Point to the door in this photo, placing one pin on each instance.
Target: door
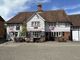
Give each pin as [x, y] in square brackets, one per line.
[75, 35]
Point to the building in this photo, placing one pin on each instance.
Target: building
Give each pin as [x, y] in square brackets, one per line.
[46, 25]
[2, 28]
[75, 20]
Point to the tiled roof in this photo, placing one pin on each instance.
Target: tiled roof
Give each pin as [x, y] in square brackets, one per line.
[55, 16]
[75, 19]
[49, 16]
[20, 18]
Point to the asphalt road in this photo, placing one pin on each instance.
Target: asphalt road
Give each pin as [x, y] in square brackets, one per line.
[40, 51]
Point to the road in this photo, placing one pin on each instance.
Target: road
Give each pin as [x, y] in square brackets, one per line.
[40, 51]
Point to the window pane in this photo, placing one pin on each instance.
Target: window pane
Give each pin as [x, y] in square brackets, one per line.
[35, 24]
[32, 24]
[38, 23]
[17, 27]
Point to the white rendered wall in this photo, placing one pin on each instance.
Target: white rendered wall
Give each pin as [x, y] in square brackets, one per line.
[56, 28]
[12, 28]
[76, 35]
[36, 18]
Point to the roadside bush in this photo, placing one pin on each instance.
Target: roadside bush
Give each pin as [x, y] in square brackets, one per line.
[62, 39]
[19, 39]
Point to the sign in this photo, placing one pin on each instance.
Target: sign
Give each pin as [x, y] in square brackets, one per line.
[51, 27]
[11, 28]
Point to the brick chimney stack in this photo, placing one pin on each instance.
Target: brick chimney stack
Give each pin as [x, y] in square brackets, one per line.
[40, 8]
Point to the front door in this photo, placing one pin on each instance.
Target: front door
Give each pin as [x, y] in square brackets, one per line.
[49, 36]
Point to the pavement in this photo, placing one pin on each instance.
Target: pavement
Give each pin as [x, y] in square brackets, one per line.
[40, 51]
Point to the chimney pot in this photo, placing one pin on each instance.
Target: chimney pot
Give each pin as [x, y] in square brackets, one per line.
[40, 8]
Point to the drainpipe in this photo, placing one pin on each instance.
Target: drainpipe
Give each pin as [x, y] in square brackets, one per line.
[71, 34]
[78, 33]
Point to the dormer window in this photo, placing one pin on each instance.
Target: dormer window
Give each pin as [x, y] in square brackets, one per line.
[35, 24]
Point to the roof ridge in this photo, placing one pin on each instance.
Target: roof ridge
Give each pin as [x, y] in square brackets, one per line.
[74, 15]
[43, 11]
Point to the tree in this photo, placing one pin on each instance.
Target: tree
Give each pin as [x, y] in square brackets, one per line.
[24, 30]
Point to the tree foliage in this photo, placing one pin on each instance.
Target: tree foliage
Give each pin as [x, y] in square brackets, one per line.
[24, 30]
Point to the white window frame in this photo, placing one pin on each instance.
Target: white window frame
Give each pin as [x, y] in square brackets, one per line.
[58, 34]
[17, 26]
[36, 34]
[35, 23]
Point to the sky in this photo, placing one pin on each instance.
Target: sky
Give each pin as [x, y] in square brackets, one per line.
[9, 8]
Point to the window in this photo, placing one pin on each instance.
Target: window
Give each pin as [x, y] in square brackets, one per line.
[16, 34]
[60, 24]
[52, 34]
[35, 24]
[17, 27]
[36, 34]
[67, 25]
[58, 34]
[55, 34]
[51, 24]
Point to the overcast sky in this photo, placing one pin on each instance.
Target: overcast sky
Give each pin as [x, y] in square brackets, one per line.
[9, 8]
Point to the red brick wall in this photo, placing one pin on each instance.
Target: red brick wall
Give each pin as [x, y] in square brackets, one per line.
[66, 35]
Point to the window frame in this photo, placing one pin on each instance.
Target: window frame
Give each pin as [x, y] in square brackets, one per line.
[58, 34]
[35, 23]
[17, 27]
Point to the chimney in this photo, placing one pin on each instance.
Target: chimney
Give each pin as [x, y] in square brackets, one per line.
[40, 8]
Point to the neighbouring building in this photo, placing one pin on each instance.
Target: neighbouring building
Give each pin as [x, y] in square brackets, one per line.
[75, 20]
[47, 25]
[2, 28]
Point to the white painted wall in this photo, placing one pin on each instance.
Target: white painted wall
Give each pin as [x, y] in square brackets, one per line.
[12, 28]
[36, 18]
[58, 28]
[76, 35]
